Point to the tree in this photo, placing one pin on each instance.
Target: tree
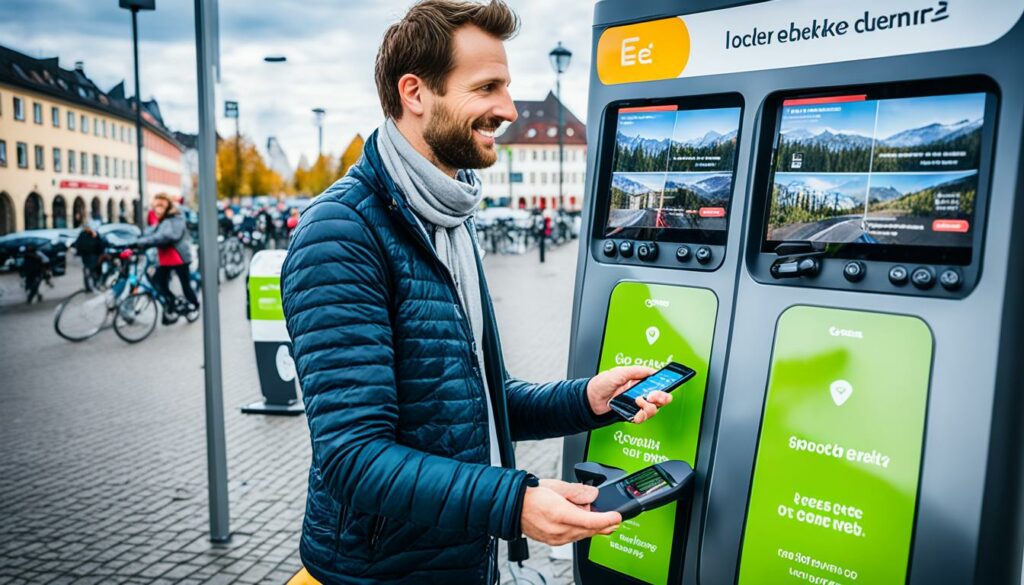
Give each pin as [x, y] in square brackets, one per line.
[317, 178]
[351, 155]
[246, 175]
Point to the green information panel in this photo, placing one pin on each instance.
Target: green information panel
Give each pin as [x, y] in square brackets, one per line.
[651, 324]
[265, 298]
[835, 481]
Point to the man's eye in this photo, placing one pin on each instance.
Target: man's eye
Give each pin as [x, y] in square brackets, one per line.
[488, 87]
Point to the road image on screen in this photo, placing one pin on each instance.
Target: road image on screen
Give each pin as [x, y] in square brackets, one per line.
[895, 171]
[672, 168]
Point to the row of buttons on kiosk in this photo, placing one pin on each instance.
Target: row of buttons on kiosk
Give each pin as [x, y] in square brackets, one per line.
[922, 277]
[648, 251]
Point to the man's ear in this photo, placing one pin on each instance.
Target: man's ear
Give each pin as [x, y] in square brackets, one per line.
[410, 90]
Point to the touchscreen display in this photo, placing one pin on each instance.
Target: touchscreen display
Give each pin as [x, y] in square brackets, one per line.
[897, 172]
[672, 171]
[645, 481]
[660, 380]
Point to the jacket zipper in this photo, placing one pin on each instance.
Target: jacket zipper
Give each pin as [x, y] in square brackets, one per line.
[375, 531]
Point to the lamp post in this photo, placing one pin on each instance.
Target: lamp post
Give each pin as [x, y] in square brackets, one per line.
[273, 104]
[319, 114]
[135, 6]
[560, 57]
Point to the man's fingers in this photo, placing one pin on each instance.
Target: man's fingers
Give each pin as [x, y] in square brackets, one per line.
[593, 521]
[577, 493]
[646, 408]
[659, 398]
[634, 372]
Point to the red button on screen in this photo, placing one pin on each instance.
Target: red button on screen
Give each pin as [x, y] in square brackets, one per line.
[712, 212]
[951, 225]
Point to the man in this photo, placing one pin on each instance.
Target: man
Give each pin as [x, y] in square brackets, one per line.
[410, 410]
[89, 246]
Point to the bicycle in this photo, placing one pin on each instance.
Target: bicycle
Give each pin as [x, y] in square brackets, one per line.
[86, 312]
[136, 315]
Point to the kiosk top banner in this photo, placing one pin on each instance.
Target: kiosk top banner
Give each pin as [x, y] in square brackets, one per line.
[791, 33]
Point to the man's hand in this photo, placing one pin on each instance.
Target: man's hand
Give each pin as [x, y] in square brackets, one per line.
[609, 384]
[557, 513]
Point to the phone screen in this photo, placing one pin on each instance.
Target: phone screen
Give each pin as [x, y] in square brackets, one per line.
[645, 481]
[661, 380]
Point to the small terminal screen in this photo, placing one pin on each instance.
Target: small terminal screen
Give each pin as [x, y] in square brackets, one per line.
[899, 172]
[646, 482]
[671, 171]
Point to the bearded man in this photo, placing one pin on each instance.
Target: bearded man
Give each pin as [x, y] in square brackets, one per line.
[411, 412]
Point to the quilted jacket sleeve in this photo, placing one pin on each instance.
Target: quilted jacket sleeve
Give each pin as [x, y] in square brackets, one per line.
[336, 302]
[556, 409]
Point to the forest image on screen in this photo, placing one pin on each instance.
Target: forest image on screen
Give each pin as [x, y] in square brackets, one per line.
[895, 171]
[672, 168]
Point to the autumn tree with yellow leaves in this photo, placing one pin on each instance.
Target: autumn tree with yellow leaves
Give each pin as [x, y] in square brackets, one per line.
[241, 171]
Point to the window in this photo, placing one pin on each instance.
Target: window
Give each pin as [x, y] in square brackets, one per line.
[22, 155]
[71, 120]
[85, 164]
[533, 178]
[543, 178]
[95, 127]
[37, 112]
[95, 165]
[72, 160]
[106, 166]
[40, 161]
[3, 153]
[56, 160]
[55, 116]
[534, 153]
[19, 109]
[115, 167]
[85, 124]
[104, 128]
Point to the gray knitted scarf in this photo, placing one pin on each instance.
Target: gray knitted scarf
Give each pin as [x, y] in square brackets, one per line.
[446, 205]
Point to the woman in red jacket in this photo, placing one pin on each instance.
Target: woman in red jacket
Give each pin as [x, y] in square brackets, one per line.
[174, 254]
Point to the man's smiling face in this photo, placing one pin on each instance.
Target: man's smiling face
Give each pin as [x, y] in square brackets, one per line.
[460, 124]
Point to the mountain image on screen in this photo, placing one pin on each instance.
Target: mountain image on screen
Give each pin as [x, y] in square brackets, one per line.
[635, 199]
[690, 191]
[636, 154]
[954, 146]
[917, 195]
[808, 206]
[837, 152]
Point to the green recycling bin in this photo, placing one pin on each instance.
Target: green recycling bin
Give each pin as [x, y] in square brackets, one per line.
[270, 339]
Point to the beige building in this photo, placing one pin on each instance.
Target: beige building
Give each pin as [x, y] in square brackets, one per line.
[526, 173]
[67, 149]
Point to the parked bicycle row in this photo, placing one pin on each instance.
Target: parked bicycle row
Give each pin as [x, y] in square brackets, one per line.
[502, 230]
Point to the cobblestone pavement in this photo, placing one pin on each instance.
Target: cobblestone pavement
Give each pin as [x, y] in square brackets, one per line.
[103, 457]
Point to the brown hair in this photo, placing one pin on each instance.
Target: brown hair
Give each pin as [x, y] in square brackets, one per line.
[172, 207]
[421, 44]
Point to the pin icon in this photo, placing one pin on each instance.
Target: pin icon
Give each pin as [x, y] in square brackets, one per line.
[652, 335]
[841, 391]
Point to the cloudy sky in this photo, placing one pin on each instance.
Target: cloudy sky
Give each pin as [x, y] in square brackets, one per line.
[330, 46]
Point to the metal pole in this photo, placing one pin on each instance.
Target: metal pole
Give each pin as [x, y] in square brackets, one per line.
[511, 197]
[216, 450]
[238, 157]
[320, 140]
[138, 122]
[561, 141]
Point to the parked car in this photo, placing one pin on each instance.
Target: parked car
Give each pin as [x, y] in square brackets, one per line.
[52, 242]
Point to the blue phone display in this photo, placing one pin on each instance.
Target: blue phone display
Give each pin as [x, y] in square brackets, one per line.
[659, 380]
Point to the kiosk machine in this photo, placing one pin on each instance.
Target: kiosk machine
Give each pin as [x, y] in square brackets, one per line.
[818, 206]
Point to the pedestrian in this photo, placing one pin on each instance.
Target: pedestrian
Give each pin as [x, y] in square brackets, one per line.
[411, 412]
[292, 222]
[174, 253]
[89, 246]
[34, 269]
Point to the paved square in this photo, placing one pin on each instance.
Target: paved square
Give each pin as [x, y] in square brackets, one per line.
[103, 465]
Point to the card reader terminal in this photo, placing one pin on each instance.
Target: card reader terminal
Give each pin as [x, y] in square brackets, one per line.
[644, 490]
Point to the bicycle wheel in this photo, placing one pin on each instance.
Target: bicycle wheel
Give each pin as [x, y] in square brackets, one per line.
[82, 315]
[233, 258]
[135, 317]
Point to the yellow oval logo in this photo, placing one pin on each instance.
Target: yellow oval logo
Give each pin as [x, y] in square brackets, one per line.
[647, 51]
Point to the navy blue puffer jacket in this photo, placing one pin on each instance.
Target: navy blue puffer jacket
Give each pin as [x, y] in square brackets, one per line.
[400, 489]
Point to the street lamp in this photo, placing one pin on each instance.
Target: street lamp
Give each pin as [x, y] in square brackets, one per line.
[135, 6]
[560, 57]
[319, 120]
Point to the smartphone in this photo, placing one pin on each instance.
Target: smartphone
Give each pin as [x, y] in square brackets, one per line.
[667, 379]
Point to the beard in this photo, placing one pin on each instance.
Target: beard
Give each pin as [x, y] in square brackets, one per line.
[453, 142]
